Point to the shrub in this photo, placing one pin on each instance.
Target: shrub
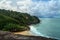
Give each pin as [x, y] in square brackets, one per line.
[13, 27]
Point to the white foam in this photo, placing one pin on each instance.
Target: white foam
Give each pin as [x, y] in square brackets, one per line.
[34, 31]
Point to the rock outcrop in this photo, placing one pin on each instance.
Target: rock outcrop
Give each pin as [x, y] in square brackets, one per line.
[4, 35]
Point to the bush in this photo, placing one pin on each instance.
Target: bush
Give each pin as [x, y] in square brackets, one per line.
[13, 27]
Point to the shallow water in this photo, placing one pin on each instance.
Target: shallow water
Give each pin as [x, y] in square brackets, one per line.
[49, 27]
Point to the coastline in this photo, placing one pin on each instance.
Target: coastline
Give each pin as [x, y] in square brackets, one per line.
[31, 33]
[36, 33]
[27, 33]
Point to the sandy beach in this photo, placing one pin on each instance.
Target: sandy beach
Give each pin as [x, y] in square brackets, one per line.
[24, 33]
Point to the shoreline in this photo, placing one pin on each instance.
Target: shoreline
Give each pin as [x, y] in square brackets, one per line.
[30, 33]
[27, 33]
[36, 33]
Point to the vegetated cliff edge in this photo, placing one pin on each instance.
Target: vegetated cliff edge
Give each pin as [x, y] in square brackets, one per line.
[16, 21]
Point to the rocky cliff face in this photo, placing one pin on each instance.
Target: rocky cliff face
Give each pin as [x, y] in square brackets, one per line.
[4, 35]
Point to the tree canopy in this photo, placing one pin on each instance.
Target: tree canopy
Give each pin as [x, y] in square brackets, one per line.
[16, 20]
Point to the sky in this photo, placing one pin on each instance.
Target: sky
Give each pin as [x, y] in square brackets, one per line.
[40, 8]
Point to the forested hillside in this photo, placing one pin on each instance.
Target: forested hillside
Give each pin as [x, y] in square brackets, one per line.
[16, 21]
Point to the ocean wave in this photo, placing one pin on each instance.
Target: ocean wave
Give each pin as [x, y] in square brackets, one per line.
[34, 31]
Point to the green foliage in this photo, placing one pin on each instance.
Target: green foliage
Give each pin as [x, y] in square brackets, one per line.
[16, 21]
[13, 27]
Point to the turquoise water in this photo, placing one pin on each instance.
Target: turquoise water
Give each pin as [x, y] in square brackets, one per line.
[49, 27]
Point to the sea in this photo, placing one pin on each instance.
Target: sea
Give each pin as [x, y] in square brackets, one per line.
[48, 27]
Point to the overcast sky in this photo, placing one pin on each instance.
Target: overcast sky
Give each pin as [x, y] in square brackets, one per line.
[41, 8]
